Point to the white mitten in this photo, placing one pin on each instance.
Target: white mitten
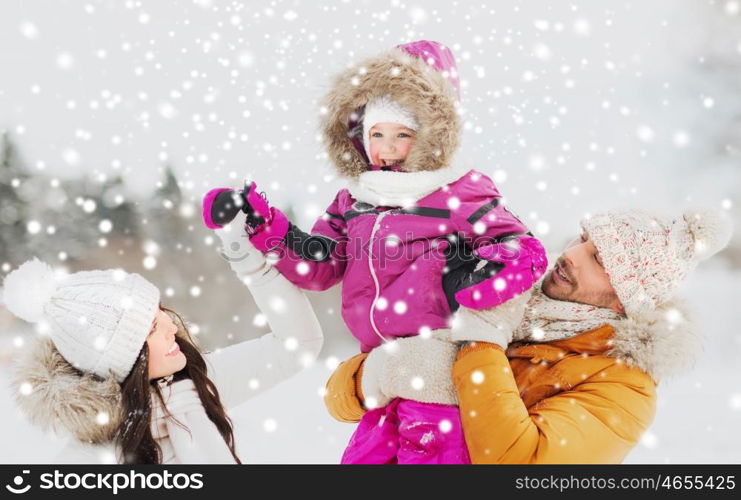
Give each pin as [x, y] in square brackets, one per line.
[373, 368]
[416, 368]
[495, 325]
[238, 251]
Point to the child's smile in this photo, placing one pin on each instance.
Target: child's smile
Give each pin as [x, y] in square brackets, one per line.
[390, 143]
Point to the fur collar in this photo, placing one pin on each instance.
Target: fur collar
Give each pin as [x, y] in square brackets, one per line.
[399, 189]
[412, 83]
[62, 398]
[664, 342]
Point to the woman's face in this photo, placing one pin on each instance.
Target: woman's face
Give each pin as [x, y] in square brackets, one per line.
[390, 143]
[165, 357]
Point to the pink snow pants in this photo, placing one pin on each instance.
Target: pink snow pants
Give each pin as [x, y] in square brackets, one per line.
[408, 432]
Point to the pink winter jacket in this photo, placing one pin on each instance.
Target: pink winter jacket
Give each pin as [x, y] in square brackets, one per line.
[406, 267]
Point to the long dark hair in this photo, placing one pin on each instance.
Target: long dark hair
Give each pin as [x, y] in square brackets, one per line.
[134, 435]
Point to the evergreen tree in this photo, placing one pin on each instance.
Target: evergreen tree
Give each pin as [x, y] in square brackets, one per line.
[13, 207]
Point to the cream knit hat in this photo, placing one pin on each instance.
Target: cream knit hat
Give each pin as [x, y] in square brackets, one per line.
[384, 109]
[98, 320]
[648, 256]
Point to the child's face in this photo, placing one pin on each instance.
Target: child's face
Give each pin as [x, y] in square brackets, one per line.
[390, 143]
[165, 357]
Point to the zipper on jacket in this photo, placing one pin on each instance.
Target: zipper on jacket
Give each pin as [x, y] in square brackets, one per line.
[376, 225]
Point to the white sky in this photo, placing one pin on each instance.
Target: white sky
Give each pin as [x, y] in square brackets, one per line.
[578, 106]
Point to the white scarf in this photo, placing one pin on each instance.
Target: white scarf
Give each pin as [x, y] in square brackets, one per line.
[201, 442]
[399, 189]
[548, 320]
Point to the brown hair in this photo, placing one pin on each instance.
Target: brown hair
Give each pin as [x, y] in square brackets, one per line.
[134, 435]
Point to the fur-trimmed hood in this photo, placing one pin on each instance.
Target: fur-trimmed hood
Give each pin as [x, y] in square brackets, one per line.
[664, 343]
[56, 396]
[414, 81]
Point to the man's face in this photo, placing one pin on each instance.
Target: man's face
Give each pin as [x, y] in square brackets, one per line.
[579, 276]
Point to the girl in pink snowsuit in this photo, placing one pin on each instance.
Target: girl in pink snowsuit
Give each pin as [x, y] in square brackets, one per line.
[411, 238]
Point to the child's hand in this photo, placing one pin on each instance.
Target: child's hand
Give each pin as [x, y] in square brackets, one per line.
[517, 276]
[495, 325]
[222, 205]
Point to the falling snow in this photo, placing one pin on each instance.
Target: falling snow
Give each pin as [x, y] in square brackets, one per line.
[125, 120]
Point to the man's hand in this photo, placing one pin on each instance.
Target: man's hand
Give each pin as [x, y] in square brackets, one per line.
[416, 368]
[495, 325]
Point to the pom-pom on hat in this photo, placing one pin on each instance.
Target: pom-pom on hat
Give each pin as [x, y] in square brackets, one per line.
[98, 320]
[647, 256]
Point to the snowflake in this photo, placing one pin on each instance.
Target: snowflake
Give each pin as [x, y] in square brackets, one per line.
[291, 344]
[735, 401]
[400, 307]
[645, 133]
[260, 320]
[33, 227]
[542, 228]
[681, 138]
[582, 27]
[25, 388]
[332, 363]
[270, 425]
[29, 30]
[477, 377]
[278, 304]
[65, 61]
[650, 440]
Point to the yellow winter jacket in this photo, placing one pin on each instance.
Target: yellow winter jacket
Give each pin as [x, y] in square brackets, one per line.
[558, 402]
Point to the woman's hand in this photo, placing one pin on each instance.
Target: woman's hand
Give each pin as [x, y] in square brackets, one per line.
[237, 249]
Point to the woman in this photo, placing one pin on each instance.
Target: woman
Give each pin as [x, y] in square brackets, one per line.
[121, 374]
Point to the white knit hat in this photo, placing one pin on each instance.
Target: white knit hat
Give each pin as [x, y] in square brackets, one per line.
[648, 256]
[384, 109]
[99, 320]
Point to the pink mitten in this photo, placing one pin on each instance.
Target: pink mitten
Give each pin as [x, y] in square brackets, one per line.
[524, 263]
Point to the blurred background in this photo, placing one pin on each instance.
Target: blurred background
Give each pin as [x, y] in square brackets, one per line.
[117, 116]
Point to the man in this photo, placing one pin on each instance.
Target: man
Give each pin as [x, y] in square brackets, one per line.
[592, 341]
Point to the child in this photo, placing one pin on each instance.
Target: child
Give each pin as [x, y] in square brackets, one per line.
[412, 238]
[121, 374]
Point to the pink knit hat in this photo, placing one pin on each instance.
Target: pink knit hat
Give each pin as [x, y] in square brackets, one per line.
[437, 56]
